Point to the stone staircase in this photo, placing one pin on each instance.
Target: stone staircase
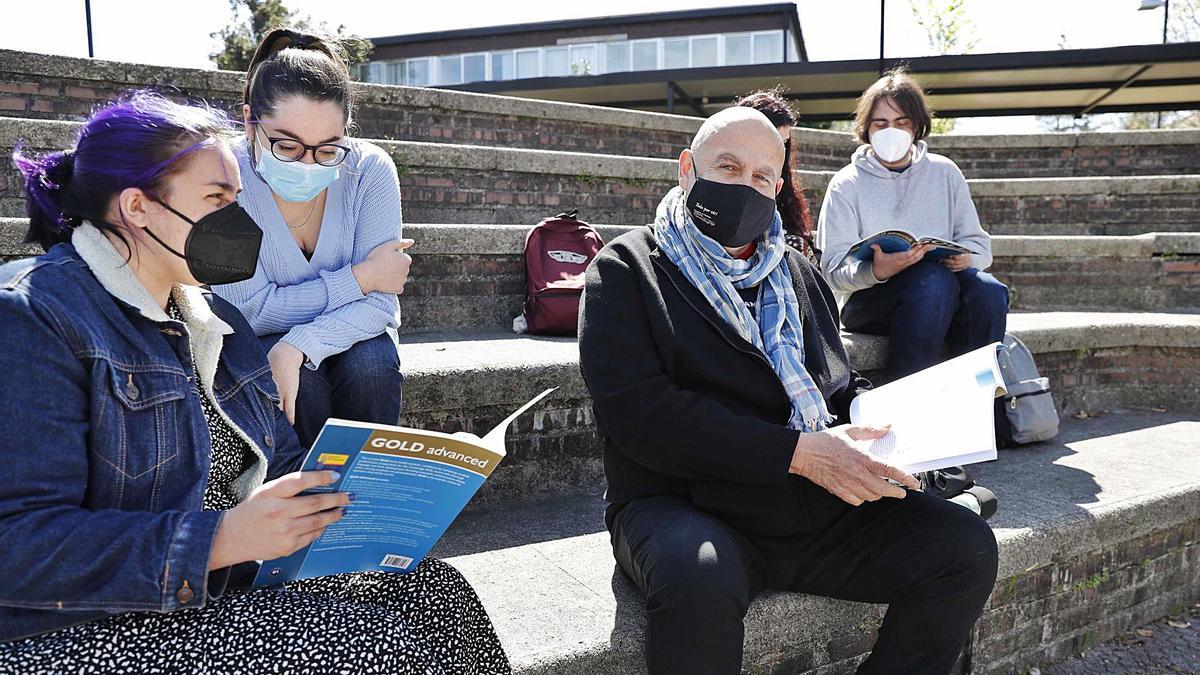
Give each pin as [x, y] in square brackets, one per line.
[1096, 235]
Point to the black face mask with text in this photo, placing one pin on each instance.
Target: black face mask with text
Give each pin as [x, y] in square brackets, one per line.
[732, 215]
[222, 247]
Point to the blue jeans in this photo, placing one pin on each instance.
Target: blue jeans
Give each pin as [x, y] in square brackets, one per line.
[926, 311]
[363, 384]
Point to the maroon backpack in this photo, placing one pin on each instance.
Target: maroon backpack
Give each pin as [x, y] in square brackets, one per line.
[557, 251]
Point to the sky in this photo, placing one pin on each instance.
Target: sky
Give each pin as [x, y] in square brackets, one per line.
[177, 33]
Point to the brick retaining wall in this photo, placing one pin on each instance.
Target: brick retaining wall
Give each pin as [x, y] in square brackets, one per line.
[38, 86]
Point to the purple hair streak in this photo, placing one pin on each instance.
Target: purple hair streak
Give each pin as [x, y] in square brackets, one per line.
[137, 142]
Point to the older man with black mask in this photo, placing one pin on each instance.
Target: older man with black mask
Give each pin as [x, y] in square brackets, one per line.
[718, 380]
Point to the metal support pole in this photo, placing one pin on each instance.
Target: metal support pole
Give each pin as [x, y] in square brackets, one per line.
[882, 13]
[1166, 18]
[670, 99]
[87, 10]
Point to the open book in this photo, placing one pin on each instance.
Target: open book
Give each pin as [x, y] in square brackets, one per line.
[940, 417]
[408, 486]
[894, 241]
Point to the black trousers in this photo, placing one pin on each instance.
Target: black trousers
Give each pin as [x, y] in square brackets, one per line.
[933, 562]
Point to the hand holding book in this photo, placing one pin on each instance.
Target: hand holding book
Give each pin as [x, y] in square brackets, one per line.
[887, 265]
[895, 241]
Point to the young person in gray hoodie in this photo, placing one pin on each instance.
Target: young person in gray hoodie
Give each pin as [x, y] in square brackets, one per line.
[926, 306]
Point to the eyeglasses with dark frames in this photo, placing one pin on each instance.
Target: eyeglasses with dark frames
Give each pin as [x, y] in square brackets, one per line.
[291, 150]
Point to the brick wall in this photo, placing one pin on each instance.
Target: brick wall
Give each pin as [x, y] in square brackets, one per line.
[1039, 162]
[561, 448]
[44, 87]
[1078, 214]
[1145, 284]
[49, 87]
[1048, 613]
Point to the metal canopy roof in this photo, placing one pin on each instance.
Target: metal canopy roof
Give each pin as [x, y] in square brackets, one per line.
[1075, 81]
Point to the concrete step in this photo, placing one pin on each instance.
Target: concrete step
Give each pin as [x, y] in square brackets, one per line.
[54, 87]
[469, 382]
[1097, 534]
[472, 277]
[472, 184]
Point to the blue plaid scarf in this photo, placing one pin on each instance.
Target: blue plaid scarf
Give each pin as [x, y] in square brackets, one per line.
[777, 333]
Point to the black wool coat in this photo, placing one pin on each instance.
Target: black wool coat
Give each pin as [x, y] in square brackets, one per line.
[687, 407]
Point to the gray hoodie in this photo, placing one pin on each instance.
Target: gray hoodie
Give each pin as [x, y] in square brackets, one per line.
[928, 199]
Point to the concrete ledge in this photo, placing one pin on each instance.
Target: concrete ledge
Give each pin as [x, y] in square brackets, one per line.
[484, 239]
[495, 361]
[456, 382]
[950, 142]
[471, 277]
[134, 75]
[1086, 550]
[1110, 185]
[55, 134]
[1096, 246]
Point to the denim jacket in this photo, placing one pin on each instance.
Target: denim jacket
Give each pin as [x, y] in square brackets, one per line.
[104, 447]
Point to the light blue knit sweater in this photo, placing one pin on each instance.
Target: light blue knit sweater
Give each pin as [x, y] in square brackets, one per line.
[318, 303]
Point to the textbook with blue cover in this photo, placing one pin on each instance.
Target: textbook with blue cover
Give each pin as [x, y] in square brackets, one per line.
[408, 486]
[894, 241]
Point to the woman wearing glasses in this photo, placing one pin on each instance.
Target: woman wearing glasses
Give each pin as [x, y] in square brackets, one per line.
[323, 298]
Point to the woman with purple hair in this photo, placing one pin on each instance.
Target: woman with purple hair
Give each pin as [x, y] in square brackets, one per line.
[147, 463]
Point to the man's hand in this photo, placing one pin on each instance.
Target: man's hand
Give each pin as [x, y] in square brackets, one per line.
[957, 263]
[836, 460]
[385, 269]
[274, 521]
[286, 360]
[888, 265]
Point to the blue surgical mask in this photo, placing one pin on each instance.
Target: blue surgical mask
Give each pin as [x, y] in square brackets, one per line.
[293, 181]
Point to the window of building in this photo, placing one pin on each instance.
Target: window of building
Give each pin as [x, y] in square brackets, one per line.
[768, 47]
[394, 73]
[450, 69]
[675, 53]
[528, 63]
[556, 62]
[737, 50]
[704, 51]
[645, 55]
[417, 72]
[474, 67]
[616, 57]
[503, 66]
[583, 60]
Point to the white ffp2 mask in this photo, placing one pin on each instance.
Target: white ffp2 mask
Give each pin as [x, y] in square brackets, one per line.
[891, 144]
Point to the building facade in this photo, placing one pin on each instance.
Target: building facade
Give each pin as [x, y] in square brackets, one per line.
[681, 40]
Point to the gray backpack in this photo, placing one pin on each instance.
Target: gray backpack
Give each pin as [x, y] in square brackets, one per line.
[1026, 413]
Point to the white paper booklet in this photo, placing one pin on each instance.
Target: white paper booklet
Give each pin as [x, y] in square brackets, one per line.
[940, 417]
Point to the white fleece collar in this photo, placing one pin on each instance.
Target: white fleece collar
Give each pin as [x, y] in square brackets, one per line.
[206, 329]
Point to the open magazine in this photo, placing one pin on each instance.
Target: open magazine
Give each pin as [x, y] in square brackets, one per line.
[408, 486]
[894, 241]
[940, 417]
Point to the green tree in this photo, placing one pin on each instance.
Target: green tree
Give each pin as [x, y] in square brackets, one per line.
[946, 25]
[949, 31]
[241, 36]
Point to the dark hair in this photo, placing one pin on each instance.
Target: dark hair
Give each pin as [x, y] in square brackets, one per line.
[137, 142]
[898, 85]
[289, 63]
[793, 207]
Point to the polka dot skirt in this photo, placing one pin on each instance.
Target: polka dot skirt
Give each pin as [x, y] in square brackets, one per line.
[428, 621]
